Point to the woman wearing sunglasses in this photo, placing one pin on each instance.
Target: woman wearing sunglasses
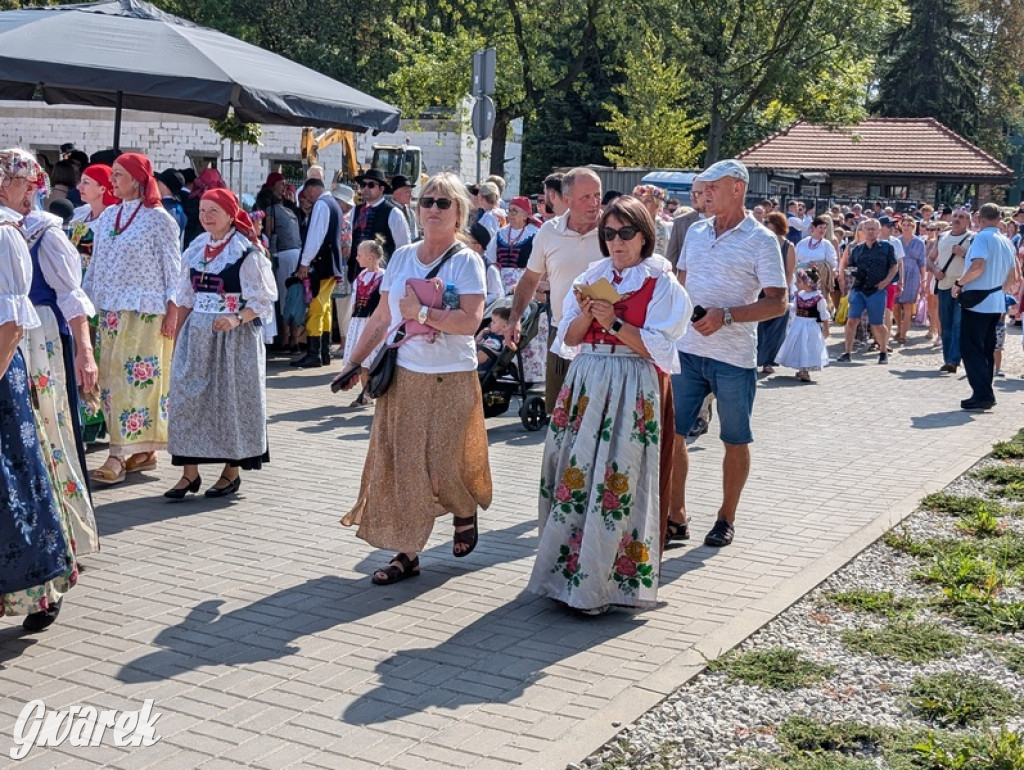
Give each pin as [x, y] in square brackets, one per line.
[428, 444]
[604, 477]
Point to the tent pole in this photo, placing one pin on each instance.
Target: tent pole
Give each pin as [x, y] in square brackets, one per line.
[117, 121]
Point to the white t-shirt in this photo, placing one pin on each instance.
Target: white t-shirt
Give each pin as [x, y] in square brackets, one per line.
[729, 271]
[449, 352]
[810, 250]
[563, 254]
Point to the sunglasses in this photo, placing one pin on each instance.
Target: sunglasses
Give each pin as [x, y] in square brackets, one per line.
[442, 203]
[371, 185]
[626, 233]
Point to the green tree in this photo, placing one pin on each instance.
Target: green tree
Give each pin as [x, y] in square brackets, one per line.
[943, 79]
[749, 57]
[652, 124]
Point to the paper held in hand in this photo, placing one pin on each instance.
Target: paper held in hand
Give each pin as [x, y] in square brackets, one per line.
[600, 289]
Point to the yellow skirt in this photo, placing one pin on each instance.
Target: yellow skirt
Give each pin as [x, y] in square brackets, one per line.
[135, 379]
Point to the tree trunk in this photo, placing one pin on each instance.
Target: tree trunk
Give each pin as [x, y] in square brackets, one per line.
[716, 128]
[498, 137]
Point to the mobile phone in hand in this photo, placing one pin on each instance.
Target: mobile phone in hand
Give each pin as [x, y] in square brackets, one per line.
[698, 313]
[342, 380]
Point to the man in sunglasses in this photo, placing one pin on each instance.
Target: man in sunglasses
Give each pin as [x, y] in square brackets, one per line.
[376, 216]
[563, 248]
[726, 262]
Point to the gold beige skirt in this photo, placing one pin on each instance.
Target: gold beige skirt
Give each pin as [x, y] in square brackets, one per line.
[427, 457]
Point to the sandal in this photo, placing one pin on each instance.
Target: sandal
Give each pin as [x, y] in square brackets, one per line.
[677, 530]
[106, 474]
[400, 568]
[466, 537]
[148, 463]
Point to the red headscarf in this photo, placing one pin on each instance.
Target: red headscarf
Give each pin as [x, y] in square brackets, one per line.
[208, 179]
[100, 174]
[141, 171]
[273, 178]
[226, 200]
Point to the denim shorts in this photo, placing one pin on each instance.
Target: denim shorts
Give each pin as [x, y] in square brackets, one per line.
[734, 388]
[875, 305]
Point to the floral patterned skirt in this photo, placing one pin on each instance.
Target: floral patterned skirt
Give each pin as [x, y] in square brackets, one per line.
[134, 381]
[600, 520]
[36, 563]
[45, 361]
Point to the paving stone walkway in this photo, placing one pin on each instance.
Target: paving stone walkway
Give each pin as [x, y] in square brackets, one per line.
[253, 625]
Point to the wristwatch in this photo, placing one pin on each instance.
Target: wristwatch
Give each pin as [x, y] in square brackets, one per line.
[958, 284]
[424, 312]
[727, 316]
[616, 327]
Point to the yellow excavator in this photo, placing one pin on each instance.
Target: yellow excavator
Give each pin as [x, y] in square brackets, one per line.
[311, 144]
[403, 159]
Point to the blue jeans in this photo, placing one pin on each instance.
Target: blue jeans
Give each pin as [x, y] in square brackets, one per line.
[734, 388]
[949, 326]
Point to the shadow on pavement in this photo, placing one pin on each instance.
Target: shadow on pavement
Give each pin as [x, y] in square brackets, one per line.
[123, 515]
[493, 660]
[263, 630]
[14, 641]
[916, 374]
[949, 419]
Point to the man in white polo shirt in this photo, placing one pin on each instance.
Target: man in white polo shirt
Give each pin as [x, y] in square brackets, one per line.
[727, 260]
[562, 250]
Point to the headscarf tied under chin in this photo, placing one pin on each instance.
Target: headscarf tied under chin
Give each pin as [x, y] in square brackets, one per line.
[141, 170]
[21, 164]
[227, 201]
[100, 174]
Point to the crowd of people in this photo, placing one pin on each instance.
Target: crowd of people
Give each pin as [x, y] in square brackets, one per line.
[151, 305]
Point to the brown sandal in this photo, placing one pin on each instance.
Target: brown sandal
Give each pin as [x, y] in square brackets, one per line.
[400, 568]
[466, 537]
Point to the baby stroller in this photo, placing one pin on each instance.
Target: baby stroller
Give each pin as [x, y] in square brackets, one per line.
[504, 378]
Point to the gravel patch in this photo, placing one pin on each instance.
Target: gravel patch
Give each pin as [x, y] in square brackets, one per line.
[716, 722]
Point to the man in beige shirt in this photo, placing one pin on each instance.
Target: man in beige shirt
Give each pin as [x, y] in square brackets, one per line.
[562, 250]
[946, 264]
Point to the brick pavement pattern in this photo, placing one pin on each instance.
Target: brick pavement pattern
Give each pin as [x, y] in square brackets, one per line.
[253, 624]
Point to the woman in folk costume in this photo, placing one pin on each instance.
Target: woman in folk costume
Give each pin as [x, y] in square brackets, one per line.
[96, 191]
[132, 280]
[58, 353]
[37, 565]
[219, 370]
[607, 457]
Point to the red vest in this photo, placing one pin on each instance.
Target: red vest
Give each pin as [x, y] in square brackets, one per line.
[632, 310]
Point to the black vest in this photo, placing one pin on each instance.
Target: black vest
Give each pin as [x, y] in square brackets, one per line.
[377, 224]
[328, 261]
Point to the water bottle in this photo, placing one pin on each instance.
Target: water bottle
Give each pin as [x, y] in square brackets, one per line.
[450, 299]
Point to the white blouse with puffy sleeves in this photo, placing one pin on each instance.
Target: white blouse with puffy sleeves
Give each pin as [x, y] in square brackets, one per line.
[15, 273]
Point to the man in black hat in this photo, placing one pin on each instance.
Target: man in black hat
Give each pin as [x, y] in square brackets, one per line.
[376, 215]
[170, 181]
[66, 150]
[401, 196]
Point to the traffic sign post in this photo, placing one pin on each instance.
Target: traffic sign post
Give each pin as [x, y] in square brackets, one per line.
[484, 62]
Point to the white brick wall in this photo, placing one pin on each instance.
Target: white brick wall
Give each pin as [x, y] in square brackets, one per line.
[168, 140]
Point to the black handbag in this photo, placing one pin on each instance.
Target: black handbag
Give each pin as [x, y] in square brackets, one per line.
[382, 370]
[969, 298]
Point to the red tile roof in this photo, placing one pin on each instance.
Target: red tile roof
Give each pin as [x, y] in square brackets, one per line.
[911, 146]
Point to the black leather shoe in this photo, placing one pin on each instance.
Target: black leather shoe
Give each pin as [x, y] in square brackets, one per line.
[973, 404]
[178, 493]
[720, 534]
[230, 489]
[38, 621]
